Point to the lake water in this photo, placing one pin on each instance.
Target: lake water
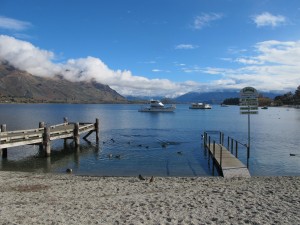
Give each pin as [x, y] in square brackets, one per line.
[158, 144]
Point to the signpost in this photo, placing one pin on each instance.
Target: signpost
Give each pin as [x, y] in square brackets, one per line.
[248, 106]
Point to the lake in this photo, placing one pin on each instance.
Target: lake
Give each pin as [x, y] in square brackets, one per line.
[158, 144]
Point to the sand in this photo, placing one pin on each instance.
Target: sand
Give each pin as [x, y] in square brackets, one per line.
[29, 198]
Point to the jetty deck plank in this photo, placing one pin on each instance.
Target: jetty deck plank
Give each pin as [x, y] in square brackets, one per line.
[229, 165]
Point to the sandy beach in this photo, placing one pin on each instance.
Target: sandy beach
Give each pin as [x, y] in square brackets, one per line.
[30, 198]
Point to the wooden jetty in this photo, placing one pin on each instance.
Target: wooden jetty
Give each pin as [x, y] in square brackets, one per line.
[227, 163]
[43, 135]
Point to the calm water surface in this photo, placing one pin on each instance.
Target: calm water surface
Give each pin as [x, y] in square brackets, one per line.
[159, 144]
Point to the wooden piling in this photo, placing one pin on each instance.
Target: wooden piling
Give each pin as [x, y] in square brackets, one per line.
[41, 125]
[65, 123]
[46, 141]
[76, 135]
[3, 150]
[97, 129]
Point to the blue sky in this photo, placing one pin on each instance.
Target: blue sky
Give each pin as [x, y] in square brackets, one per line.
[157, 47]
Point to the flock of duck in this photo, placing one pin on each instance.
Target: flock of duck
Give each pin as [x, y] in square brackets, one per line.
[163, 144]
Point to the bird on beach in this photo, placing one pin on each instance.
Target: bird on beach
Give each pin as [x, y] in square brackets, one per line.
[140, 177]
[151, 179]
[69, 170]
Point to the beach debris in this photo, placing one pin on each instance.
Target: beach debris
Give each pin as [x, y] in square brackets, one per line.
[69, 170]
[151, 179]
[141, 177]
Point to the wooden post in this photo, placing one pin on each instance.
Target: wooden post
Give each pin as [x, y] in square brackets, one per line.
[228, 141]
[4, 150]
[236, 149]
[41, 125]
[76, 135]
[46, 141]
[65, 123]
[97, 129]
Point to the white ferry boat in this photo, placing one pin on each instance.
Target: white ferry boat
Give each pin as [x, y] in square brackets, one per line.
[200, 105]
[157, 106]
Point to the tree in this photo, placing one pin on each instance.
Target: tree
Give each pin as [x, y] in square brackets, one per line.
[263, 101]
[231, 101]
[297, 96]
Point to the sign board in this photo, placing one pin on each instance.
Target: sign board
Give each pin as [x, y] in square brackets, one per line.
[248, 101]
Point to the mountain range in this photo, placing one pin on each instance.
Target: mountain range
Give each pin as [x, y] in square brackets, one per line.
[20, 86]
[216, 97]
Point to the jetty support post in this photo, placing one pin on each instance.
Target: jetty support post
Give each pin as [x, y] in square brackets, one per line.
[97, 129]
[214, 148]
[248, 155]
[221, 154]
[76, 135]
[3, 150]
[41, 125]
[46, 141]
[66, 122]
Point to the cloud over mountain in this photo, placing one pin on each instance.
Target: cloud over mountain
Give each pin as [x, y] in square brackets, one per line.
[25, 56]
[273, 66]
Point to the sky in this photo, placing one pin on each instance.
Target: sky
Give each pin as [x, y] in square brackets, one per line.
[156, 47]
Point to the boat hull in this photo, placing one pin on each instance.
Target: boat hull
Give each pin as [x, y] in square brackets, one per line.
[166, 109]
[200, 106]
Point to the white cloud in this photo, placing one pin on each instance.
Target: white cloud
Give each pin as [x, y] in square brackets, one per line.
[186, 46]
[13, 24]
[267, 19]
[248, 61]
[25, 56]
[205, 19]
[156, 70]
[275, 66]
